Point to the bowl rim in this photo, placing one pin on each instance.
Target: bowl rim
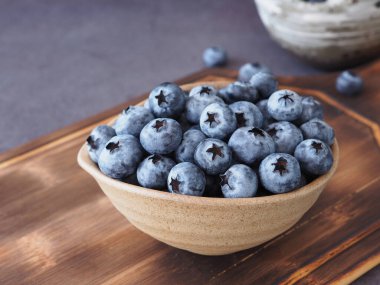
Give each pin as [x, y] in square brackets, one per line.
[91, 168]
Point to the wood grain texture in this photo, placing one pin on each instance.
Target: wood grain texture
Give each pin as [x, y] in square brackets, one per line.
[57, 227]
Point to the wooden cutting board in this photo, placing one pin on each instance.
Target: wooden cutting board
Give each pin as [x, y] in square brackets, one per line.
[57, 227]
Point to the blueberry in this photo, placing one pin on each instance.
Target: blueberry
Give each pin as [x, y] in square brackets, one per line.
[187, 179]
[121, 156]
[213, 187]
[146, 104]
[213, 156]
[161, 136]
[239, 91]
[262, 105]
[239, 181]
[217, 121]
[153, 171]
[132, 120]
[349, 83]
[185, 151]
[315, 156]
[250, 145]
[286, 136]
[215, 56]
[317, 129]
[247, 114]
[198, 101]
[167, 100]
[280, 173]
[98, 140]
[285, 105]
[311, 109]
[247, 70]
[265, 83]
[203, 90]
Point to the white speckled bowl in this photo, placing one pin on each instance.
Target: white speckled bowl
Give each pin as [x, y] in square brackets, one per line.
[333, 34]
[209, 226]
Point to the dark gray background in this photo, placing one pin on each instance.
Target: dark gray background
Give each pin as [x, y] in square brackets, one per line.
[62, 61]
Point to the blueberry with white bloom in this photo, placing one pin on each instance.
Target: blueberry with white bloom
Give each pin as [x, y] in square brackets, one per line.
[215, 56]
[349, 83]
[251, 144]
[280, 173]
[247, 114]
[311, 109]
[132, 120]
[247, 70]
[154, 170]
[187, 179]
[239, 181]
[285, 105]
[185, 151]
[265, 83]
[167, 100]
[203, 90]
[98, 139]
[121, 156]
[314, 156]
[317, 129]
[217, 121]
[239, 91]
[161, 136]
[285, 135]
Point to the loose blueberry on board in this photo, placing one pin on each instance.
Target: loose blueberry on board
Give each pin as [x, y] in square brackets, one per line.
[247, 70]
[311, 109]
[217, 121]
[132, 120]
[265, 83]
[285, 135]
[314, 156]
[317, 129]
[349, 83]
[185, 151]
[215, 56]
[203, 90]
[167, 100]
[186, 178]
[213, 156]
[280, 173]
[153, 171]
[247, 114]
[197, 102]
[262, 105]
[285, 105]
[239, 91]
[239, 181]
[121, 156]
[161, 136]
[98, 139]
[251, 144]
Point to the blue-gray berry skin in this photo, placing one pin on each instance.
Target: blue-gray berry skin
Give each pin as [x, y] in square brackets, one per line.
[213, 156]
[239, 181]
[247, 114]
[215, 56]
[250, 145]
[285, 105]
[239, 91]
[167, 100]
[154, 170]
[317, 129]
[247, 70]
[146, 104]
[265, 84]
[132, 120]
[98, 139]
[198, 101]
[285, 135]
[185, 124]
[280, 173]
[311, 109]
[314, 156]
[262, 105]
[161, 136]
[217, 121]
[121, 156]
[203, 90]
[186, 178]
[349, 83]
[190, 140]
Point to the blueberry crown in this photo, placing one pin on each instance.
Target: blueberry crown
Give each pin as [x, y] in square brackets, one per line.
[280, 165]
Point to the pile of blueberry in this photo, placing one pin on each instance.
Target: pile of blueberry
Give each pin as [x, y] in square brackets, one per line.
[244, 140]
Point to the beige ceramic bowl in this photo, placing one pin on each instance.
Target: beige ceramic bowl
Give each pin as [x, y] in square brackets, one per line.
[209, 226]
